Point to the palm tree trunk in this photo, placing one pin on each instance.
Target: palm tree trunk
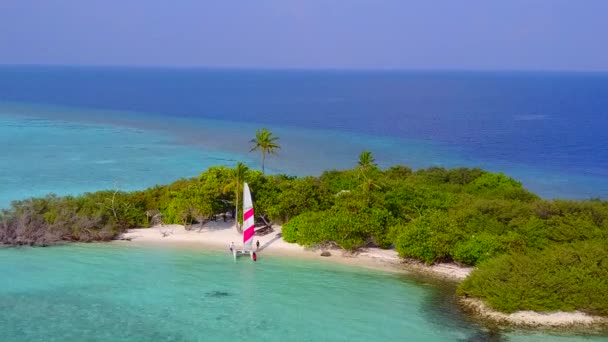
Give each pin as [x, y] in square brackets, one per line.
[263, 160]
[236, 209]
[236, 213]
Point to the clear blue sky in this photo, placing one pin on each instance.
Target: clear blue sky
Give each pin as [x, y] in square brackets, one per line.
[421, 34]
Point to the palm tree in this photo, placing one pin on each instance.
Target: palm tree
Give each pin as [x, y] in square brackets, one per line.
[266, 143]
[366, 164]
[369, 184]
[366, 161]
[238, 177]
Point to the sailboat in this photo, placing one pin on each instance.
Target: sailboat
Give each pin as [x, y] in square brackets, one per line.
[248, 224]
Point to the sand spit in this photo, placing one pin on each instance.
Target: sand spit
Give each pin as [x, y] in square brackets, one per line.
[533, 319]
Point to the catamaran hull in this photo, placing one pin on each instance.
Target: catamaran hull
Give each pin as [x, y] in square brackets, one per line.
[237, 254]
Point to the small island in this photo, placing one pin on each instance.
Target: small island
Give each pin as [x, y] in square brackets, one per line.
[530, 256]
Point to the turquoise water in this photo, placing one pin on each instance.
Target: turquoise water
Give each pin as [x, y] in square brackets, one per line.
[70, 151]
[73, 150]
[546, 129]
[40, 156]
[118, 293]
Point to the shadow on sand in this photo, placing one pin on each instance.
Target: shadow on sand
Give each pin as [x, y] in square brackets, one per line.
[270, 242]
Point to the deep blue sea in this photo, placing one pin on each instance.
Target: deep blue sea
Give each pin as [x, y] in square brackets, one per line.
[75, 129]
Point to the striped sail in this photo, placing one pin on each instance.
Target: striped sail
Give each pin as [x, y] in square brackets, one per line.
[248, 220]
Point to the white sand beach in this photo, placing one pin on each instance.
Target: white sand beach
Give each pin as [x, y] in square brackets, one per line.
[217, 235]
[213, 235]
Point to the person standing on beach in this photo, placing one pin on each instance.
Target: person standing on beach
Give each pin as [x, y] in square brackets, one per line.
[231, 246]
[257, 244]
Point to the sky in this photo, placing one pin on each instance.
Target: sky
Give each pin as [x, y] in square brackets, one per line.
[565, 35]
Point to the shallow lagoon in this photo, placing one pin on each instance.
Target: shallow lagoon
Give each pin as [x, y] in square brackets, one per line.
[105, 292]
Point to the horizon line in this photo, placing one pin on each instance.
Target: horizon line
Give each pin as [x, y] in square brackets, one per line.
[300, 69]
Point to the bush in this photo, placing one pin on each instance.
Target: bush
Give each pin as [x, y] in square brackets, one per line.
[477, 248]
[429, 238]
[348, 230]
[564, 277]
[305, 229]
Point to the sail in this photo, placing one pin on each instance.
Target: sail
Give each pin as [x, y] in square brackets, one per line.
[248, 219]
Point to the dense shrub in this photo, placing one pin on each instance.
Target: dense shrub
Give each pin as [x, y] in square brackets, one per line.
[338, 180]
[563, 277]
[349, 230]
[296, 196]
[429, 238]
[43, 221]
[477, 248]
[304, 228]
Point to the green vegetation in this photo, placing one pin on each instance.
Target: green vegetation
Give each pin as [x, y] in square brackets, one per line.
[236, 184]
[266, 143]
[566, 277]
[531, 253]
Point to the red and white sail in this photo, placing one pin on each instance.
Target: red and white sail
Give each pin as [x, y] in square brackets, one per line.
[248, 219]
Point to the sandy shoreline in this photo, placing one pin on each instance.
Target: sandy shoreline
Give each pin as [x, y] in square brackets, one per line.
[219, 235]
[532, 319]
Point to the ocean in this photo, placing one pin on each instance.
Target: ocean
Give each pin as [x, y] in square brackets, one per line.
[69, 130]
[105, 292]
[75, 129]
